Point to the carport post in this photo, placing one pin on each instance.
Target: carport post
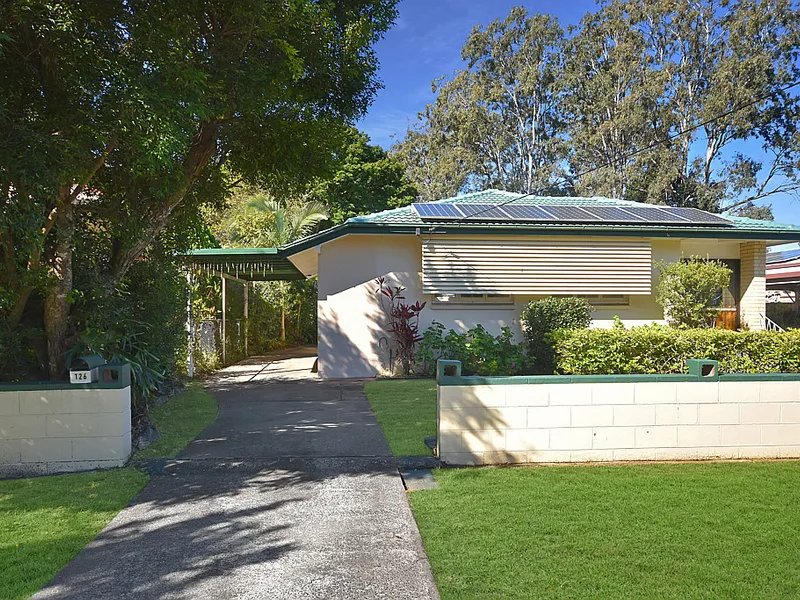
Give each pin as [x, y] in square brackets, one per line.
[224, 307]
[246, 314]
[189, 327]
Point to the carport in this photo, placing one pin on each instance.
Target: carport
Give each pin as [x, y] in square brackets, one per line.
[241, 266]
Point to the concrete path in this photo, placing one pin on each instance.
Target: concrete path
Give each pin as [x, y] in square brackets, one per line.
[288, 494]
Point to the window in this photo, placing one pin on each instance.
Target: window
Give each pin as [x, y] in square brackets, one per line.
[473, 299]
[608, 300]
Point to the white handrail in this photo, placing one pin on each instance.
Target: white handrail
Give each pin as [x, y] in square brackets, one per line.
[769, 324]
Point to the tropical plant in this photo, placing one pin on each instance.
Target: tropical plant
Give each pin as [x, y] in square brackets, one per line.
[689, 290]
[480, 352]
[403, 321]
[287, 222]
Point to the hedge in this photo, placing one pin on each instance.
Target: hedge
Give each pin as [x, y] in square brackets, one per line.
[660, 349]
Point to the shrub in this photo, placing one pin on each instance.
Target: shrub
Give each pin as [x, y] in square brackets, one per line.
[688, 291]
[541, 317]
[661, 349]
[480, 352]
[403, 322]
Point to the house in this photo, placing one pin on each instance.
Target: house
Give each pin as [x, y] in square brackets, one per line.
[783, 276]
[479, 258]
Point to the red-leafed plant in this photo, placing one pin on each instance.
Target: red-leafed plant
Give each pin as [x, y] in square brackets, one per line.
[403, 321]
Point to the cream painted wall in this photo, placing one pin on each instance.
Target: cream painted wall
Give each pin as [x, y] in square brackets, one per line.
[352, 337]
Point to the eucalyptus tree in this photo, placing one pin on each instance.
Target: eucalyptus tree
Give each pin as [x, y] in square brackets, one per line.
[495, 123]
[124, 117]
[649, 101]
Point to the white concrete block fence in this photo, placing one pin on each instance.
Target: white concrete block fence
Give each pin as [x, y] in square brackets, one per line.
[48, 427]
[702, 415]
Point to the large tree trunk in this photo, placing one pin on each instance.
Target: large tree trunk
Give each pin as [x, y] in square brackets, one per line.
[56, 303]
[197, 158]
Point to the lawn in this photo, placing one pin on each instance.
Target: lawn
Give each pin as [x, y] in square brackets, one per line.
[180, 420]
[713, 530]
[406, 411]
[45, 521]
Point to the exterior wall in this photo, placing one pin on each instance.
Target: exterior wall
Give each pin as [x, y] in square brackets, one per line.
[654, 418]
[352, 339]
[57, 429]
[754, 284]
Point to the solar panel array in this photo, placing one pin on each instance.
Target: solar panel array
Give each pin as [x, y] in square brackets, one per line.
[633, 215]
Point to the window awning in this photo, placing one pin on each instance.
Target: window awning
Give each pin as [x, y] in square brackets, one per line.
[248, 264]
[531, 267]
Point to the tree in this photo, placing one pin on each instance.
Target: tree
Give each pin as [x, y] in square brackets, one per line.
[645, 101]
[688, 290]
[365, 180]
[287, 222]
[131, 114]
[495, 123]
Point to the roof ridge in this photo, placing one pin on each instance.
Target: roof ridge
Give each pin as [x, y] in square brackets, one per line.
[455, 199]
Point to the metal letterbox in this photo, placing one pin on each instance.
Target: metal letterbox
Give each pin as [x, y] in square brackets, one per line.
[84, 369]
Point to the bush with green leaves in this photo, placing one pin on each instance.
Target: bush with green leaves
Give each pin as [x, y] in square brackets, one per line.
[480, 352]
[541, 317]
[660, 349]
[689, 289]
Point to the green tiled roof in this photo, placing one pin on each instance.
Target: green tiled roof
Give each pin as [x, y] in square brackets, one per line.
[406, 220]
[408, 216]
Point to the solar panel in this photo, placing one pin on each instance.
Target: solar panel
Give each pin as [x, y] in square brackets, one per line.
[523, 212]
[697, 216]
[655, 215]
[436, 210]
[486, 212]
[632, 214]
[573, 214]
[614, 214]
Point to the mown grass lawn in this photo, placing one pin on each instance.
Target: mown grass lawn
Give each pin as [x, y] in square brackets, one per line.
[46, 521]
[712, 530]
[179, 420]
[406, 411]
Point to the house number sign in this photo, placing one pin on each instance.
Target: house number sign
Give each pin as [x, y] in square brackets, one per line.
[80, 376]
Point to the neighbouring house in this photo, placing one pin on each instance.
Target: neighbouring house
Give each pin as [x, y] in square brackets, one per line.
[783, 276]
[479, 258]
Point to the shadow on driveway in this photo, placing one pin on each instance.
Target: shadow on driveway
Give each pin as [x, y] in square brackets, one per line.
[290, 493]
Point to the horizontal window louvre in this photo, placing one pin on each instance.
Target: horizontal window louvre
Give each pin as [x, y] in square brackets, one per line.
[537, 267]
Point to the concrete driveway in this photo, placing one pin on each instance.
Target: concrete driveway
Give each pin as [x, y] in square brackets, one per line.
[290, 493]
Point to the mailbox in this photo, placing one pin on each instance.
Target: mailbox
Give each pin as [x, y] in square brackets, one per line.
[84, 369]
[704, 369]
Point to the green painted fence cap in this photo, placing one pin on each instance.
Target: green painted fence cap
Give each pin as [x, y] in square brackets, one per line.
[706, 369]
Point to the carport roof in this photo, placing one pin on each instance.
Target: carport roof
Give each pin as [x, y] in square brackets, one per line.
[249, 264]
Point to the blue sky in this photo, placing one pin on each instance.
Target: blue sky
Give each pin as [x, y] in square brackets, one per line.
[425, 44]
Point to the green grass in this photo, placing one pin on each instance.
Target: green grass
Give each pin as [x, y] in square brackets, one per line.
[714, 530]
[45, 521]
[179, 420]
[406, 411]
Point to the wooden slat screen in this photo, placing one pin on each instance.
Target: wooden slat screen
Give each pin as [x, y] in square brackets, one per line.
[536, 267]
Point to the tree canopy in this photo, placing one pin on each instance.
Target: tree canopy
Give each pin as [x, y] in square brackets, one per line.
[121, 119]
[643, 101]
[365, 180]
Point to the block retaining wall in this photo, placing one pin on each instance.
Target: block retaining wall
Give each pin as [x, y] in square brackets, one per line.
[57, 428]
[503, 420]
